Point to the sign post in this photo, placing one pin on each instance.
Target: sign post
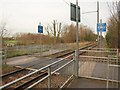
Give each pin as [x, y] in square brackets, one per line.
[77, 42]
[75, 16]
[101, 27]
[40, 30]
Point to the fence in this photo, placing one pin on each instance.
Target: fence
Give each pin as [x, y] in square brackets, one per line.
[61, 71]
[102, 64]
[32, 49]
[3, 56]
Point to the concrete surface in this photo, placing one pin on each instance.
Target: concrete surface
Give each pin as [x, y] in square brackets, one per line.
[97, 69]
[90, 83]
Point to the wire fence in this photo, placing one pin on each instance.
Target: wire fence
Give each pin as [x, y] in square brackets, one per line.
[31, 49]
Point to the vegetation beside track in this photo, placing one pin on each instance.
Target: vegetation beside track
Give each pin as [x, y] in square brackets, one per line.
[13, 52]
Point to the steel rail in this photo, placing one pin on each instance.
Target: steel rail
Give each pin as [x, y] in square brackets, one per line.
[7, 74]
[60, 60]
[22, 86]
[13, 82]
[13, 72]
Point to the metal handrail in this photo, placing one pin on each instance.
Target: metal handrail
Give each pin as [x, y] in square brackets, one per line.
[95, 57]
[94, 51]
[13, 82]
[104, 49]
[48, 75]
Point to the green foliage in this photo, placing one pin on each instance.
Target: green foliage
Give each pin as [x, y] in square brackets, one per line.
[24, 51]
[13, 53]
[112, 33]
[108, 39]
[11, 42]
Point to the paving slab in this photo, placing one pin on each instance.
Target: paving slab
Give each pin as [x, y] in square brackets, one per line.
[98, 69]
[90, 83]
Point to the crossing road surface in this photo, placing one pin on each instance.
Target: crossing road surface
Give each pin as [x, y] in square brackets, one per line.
[26, 61]
[36, 63]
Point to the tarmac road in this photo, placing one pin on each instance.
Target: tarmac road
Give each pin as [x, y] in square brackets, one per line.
[37, 63]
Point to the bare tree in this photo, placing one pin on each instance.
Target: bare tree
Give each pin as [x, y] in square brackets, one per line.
[113, 10]
[118, 11]
[54, 30]
[113, 34]
[3, 30]
[85, 34]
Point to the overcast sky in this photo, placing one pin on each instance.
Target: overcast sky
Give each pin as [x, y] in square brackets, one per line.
[25, 15]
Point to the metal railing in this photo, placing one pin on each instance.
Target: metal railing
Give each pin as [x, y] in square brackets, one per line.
[101, 64]
[113, 72]
[66, 69]
[3, 56]
[50, 73]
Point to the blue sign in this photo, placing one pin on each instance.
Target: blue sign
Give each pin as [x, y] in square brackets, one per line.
[101, 27]
[40, 29]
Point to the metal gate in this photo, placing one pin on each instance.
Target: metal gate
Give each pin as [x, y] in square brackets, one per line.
[102, 64]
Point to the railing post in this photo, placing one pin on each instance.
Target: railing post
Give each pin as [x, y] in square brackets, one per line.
[4, 56]
[49, 78]
[107, 86]
[76, 64]
[74, 68]
[117, 57]
[117, 62]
